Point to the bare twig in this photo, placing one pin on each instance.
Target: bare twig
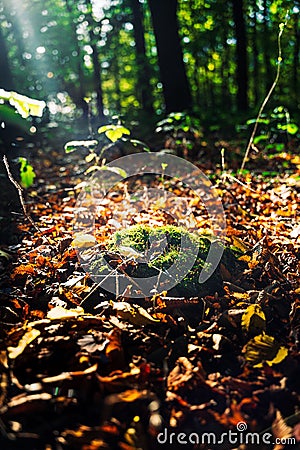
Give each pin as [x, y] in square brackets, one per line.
[267, 98]
[21, 198]
[111, 273]
[229, 176]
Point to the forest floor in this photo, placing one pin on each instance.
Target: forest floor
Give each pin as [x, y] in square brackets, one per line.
[79, 371]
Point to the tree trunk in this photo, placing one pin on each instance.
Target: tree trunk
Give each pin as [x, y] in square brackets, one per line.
[241, 55]
[224, 69]
[266, 47]
[11, 17]
[255, 55]
[80, 101]
[296, 53]
[115, 69]
[6, 78]
[176, 88]
[141, 58]
[96, 61]
[196, 74]
[209, 88]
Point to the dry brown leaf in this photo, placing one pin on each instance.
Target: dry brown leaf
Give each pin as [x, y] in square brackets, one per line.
[58, 312]
[29, 336]
[280, 430]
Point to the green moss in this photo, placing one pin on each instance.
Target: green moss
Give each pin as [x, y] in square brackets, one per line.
[135, 237]
[177, 251]
[172, 247]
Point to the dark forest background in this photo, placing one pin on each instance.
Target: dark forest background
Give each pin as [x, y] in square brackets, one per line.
[143, 59]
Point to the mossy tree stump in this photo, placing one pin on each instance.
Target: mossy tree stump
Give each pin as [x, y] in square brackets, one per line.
[156, 250]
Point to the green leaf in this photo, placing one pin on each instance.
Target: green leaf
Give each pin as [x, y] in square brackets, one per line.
[262, 137]
[113, 132]
[27, 173]
[5, 255]
[265, 121]
[161, 123]
[277, 146]
[25, 106]
[136, 143]
[273, 8]
[92, 169]
[178, 116]
[71, 146]
[264, 348]
[89, 158]
[253, 320]
[116, 134]
[116, 170]
[292, 128]
[9, 116]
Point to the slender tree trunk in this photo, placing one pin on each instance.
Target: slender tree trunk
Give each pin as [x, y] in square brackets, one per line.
[12, 17]
[96, 61]
[209, 88]
[13, 13]
[266, 46]
[115, 66]
[6, 78]
[81, 102]
[141, 58]
[196, 74]
[255, 55]
[241, 55]
[176, 88]
[225, 92]
[296, 54]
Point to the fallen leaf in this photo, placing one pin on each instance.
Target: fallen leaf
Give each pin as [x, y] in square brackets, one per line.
[253, 320]
[58, 312]
[29, 336]
[83, 240]
[264, 348]
[133, 313]
[280, 430]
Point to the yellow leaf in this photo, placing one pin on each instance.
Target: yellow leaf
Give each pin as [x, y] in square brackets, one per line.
[113, 132]
[281, 355]
[26, 106]
[253, 320]
[245, 258]
[71, 146]
[83, 240]
[114, 135]
[90, 157]
[240, 295]
[238, 243]
[131, 395]
[28, 337]
[264, 348]
[58, 312]
[133, 313]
